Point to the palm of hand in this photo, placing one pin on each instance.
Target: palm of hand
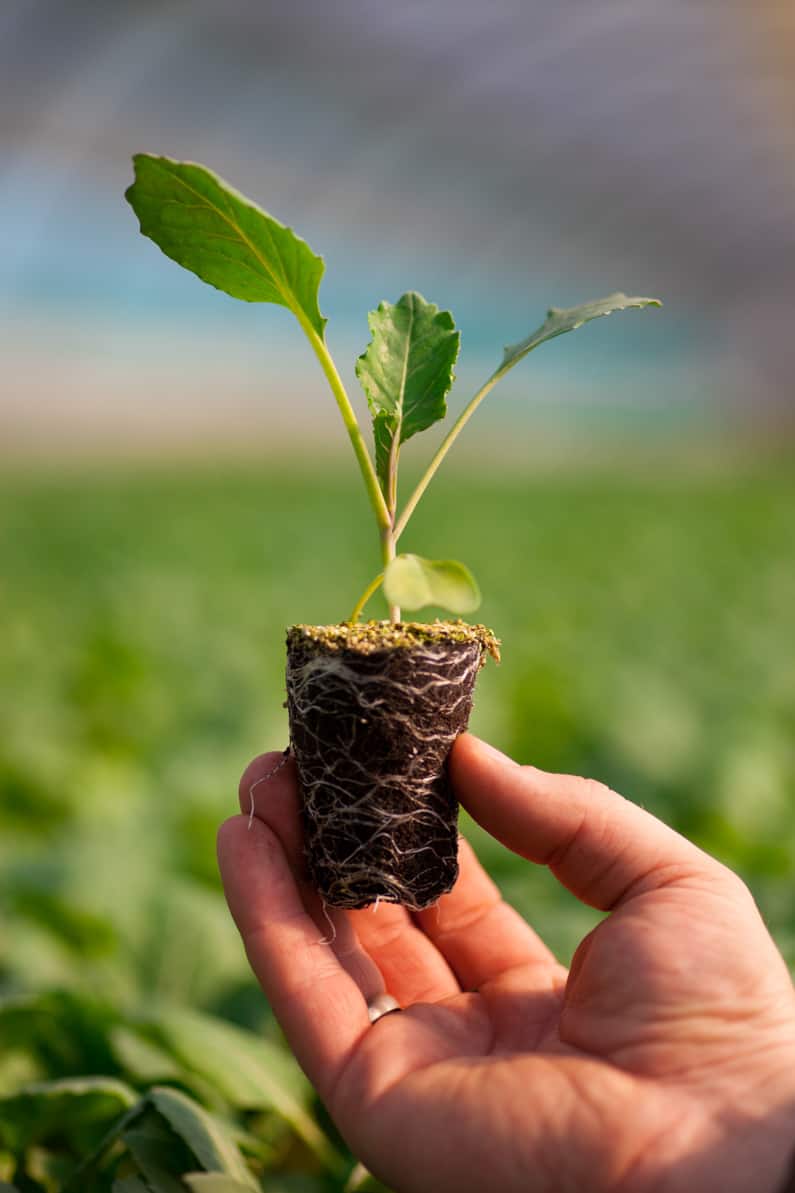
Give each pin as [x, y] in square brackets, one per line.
[594, 1082]
[664, 1061]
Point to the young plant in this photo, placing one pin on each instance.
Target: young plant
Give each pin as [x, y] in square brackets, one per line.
[406, 372]
[373, 707]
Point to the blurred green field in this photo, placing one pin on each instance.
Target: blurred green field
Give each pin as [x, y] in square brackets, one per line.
[647, 626]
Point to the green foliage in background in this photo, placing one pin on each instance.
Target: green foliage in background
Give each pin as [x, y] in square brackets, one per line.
[646, 628]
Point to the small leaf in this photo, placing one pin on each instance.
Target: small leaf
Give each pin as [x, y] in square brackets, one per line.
[413, 582]
[559, 321]
[202, 1133]
[407, 370]
[208, 227]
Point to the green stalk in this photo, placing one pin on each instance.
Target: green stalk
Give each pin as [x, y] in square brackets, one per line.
[351, 425]
[442, 451]
[389, 550]
[364, 598]
[388, 540]
[384, 515]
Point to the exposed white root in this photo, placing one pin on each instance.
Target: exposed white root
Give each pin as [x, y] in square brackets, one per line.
[371, 740]
[328, 939]
[265, 779]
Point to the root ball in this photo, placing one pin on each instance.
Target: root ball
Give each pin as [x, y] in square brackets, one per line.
[374, 710]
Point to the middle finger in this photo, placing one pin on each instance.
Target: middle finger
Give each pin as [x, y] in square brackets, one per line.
[413, 968]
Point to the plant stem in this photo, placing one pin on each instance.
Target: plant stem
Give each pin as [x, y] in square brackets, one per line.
[442, 451]
[384, 515]
[351, 425]
[389, 550]
[364, 598]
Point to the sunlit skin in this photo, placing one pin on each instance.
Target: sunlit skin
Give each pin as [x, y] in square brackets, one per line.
[662, 1061]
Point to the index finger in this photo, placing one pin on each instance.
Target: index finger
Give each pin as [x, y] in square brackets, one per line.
[601, 846]
[317, 1002]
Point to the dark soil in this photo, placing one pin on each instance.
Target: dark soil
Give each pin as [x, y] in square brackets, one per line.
[371, 727]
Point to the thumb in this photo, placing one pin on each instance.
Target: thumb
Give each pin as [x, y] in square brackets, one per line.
[601, 846]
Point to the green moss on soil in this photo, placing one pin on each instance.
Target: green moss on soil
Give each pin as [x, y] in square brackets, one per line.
[367, 637]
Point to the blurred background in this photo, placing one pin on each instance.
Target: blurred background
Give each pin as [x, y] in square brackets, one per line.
[176, 488]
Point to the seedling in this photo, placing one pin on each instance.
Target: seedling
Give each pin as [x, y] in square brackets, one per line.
[374, 707]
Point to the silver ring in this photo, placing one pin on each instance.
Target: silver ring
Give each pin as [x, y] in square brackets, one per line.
[382, 1004]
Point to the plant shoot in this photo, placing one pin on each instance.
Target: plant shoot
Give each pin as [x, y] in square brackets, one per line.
[406, 371]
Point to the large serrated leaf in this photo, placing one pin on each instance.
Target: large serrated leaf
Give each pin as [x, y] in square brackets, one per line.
[202, 1133]
[205, 225]
[560, 320]
[407, 370]
[414, 582]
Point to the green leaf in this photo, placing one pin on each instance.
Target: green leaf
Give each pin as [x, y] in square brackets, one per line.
[361, 1180]
[383, 435]
[80, 931]
[77, 1109]
[16, 1069]
[406, 371]
[65, 1032]
[159, 1154]
[213, 1182]
[204, 224]
[130, 1184]
[560, 320]
[251, 1073]
[81, 1178]
[202, 1133]
[144, 1061]
[413, 582]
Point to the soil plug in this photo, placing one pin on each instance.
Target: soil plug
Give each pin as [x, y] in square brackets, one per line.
[374, 711]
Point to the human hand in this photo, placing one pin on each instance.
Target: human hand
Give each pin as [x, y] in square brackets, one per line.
[663, 1061]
